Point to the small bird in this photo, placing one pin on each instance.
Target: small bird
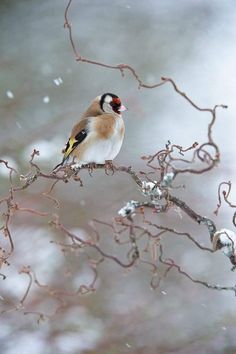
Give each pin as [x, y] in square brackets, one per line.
[99, 134]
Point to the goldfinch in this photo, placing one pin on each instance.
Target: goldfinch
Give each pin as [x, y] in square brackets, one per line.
[99, 134]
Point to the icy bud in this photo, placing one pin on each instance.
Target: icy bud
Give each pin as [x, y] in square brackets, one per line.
[151, 189]
[225, 240]
[168, 179]
[128, 209]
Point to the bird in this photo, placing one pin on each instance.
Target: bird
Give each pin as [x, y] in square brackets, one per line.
[98, 136]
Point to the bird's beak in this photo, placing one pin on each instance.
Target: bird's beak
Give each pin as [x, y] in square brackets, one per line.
[123, 108]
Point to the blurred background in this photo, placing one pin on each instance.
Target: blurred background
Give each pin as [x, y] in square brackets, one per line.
[42, 94]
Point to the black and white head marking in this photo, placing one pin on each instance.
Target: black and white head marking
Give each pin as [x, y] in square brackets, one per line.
[110, 103]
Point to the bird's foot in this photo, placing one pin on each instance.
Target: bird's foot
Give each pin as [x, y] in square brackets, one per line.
[109, 167]
[91, 166]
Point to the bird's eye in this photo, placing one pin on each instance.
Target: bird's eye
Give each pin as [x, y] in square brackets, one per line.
[115, 105]
[116, 102]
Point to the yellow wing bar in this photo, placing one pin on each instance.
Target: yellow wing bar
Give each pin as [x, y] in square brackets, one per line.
[72, 142]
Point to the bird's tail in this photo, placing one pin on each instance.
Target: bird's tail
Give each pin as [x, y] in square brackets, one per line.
[70, 146]
[64, 160]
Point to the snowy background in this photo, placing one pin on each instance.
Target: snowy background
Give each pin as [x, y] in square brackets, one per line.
[42, 93]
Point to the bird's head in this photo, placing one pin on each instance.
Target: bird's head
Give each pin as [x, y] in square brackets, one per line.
[110, 103]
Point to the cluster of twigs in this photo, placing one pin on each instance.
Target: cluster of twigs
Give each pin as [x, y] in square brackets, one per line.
[133, 225]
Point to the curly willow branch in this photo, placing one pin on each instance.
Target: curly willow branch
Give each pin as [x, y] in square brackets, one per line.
[125, 232]
[141, 84]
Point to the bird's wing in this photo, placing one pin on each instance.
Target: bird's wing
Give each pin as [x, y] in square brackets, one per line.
[103, 124]
[79, 133]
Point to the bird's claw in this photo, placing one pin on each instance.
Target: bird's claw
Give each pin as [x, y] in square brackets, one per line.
[109, 167]
[91, 166]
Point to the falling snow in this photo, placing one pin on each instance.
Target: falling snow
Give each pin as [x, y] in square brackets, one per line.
[10, 94]
[18, 125]
[128, 345]
[58, 81]
[46, 99]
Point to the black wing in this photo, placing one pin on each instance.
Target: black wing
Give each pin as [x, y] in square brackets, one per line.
[72, 144]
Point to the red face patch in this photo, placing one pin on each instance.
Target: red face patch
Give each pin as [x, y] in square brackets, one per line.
[116, 100]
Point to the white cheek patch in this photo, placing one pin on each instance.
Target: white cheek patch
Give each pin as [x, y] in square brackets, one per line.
[108, 99]
[107, 108]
